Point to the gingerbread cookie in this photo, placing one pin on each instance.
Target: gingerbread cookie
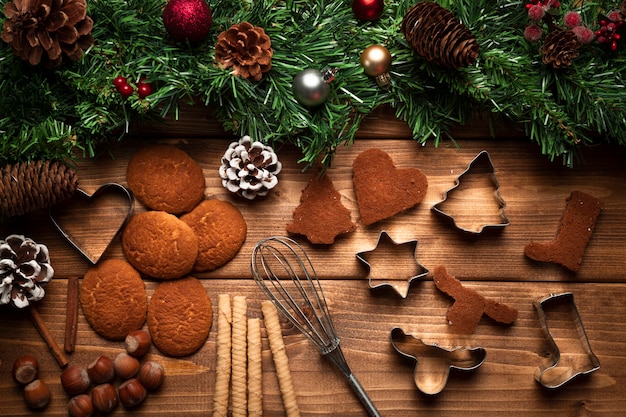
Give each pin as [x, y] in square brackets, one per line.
[469, 306]
[160, 245]
[113, 299]
[573, 233]
[165, 178]
[382, 190]
[320, 216]
[180, 316]
[221, 231]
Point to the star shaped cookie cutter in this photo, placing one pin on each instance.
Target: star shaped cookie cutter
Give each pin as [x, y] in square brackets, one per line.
[432, 362]
[558, 369]
[384, 266]
[481, 164]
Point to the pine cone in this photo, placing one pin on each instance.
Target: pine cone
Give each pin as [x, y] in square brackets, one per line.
[249, 169]
[245, 48]
[24, 266]
[560, 48]
[57, 28]
[36, 185]
[438, 36]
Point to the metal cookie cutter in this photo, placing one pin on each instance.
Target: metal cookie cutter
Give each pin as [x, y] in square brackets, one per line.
[392, 264]
[560, 319]
[433, 363]
[481, 164]
[90, 223]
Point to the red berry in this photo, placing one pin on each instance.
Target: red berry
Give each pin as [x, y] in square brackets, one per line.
[144, 90]
[119, 81]
[126, 90]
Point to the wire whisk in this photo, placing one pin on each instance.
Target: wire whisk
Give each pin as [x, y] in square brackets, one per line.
[284, 272]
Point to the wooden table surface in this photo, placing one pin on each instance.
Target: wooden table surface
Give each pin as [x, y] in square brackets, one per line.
[491, 263]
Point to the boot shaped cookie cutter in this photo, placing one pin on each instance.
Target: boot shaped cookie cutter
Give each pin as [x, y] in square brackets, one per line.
[433, 363]
[90, 223]
[389, 260]
[481, 164]
[560, 319]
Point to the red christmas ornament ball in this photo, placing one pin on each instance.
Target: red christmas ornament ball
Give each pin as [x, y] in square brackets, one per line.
[368, 9]
[187, 20]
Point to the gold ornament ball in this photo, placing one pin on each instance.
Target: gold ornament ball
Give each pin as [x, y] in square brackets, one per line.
[376, 60]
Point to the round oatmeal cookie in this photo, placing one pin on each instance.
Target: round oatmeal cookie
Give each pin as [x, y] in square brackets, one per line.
[164, 177]
[113, 298]
[159, 245]
[180, 316]
[221, 231]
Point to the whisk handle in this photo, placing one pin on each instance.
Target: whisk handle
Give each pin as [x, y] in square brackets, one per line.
[362, 395]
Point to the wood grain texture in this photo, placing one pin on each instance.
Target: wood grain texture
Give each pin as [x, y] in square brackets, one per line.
[491, 263]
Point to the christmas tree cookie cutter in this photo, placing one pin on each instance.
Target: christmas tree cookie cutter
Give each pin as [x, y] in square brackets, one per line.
[90, 223]
[432, 362]
[392, 264]
[560, 320]
[482, 171]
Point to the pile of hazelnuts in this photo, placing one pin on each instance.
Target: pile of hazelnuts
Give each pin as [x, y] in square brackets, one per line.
[92, 388]
[25, 371]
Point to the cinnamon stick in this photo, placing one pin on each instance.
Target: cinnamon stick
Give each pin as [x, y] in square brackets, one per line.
[71, 314]
[44, 331]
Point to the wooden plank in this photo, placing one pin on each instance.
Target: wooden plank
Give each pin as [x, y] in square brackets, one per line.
[534, 189]
[503, 385]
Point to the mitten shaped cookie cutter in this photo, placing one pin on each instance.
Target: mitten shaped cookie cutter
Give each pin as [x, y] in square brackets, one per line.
[385, 272]
[433, 363]
[560, 319]
[104, 213]
[481, 164]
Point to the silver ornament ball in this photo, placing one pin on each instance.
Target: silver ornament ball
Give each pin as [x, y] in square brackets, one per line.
[310, 88]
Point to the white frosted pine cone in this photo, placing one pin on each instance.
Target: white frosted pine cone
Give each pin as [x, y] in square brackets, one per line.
[249, 169]
[24, 266]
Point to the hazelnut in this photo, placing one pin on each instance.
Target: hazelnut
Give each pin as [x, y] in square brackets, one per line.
[37, 394]
[75, 380]
[151, 374]
[104, 398]
[137, 342]
[25, 369]
[131, 393]
[80, 406]
[126, 366]
[101, 370]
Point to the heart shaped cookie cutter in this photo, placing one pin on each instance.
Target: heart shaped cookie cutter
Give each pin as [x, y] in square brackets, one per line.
[90, 223]
[433, 363]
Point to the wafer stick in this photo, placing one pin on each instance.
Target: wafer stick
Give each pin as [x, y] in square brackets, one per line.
[277, 346]
[255, 375]
[223, 361]
[239, 357]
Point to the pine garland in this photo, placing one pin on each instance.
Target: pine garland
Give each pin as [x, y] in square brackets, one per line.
[51, 114]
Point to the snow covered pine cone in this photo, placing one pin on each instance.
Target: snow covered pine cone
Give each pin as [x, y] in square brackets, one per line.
[24, 267]
[249, 169]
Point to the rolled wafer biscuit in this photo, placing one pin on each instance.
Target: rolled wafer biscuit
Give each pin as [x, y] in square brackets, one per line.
[255, 375]
[281, 361]
[239, 357]
[223, 361]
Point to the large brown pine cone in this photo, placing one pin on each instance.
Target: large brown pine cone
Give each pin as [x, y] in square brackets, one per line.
[438, 35]
[56, 28]
[245, 48]
[560, 48]
[31, 186]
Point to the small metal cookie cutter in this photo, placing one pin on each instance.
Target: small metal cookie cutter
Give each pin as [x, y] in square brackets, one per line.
[101, 215]
[433, 363]
[387, 249]
[558, 369]
[482, 161]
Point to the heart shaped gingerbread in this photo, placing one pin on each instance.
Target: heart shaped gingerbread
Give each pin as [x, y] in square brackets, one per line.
[382, 190]
[91, 222]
